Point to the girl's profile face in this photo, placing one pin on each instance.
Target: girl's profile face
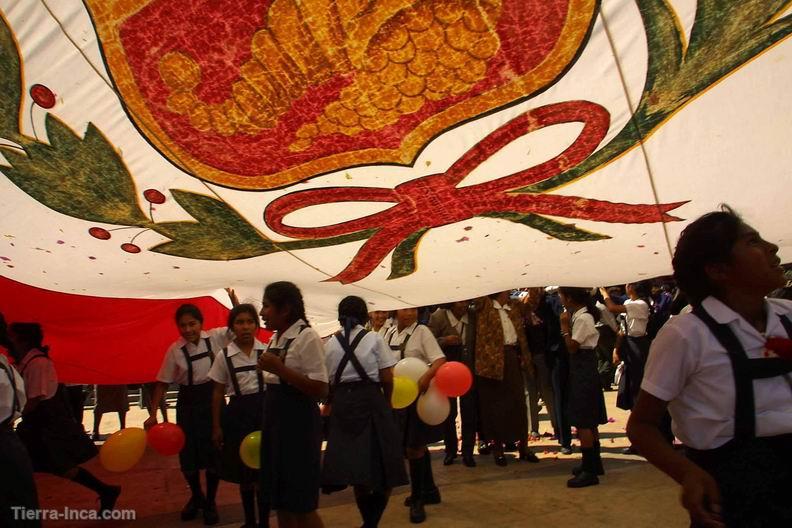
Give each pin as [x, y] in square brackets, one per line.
[754, 264]
[274, 318]
[190, 328]
[245, 326]
[564, 301]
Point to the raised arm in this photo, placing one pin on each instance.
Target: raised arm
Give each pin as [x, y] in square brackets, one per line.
[611, 306]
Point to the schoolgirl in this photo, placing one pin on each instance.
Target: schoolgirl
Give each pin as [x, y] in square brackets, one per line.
[56, 443]
[409, 339]
[723, 371]
[586, 400]
[363, 448]
[296, 377]
[187, 363]
[235, 373]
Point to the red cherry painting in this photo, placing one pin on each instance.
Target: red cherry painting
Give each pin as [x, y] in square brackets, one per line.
[100, 233]
[130, 248]
[154, 196]
[42, 96]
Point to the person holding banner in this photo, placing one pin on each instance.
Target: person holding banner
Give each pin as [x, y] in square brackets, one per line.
[410, 340]
[235, 374]
[363, 448]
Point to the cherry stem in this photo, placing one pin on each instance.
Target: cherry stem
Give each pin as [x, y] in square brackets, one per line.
[32, 123]
[151, 211]
[134, 237]
[120, 228]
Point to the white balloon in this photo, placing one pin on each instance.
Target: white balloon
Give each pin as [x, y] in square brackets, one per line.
[410, 367]
[433, 407]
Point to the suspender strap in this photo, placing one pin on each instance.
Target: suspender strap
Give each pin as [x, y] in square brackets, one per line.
[350, 357]
[15, 408]
[233, 371]
[745, 371]
[402, 347]
[281, 353]
[189, 359]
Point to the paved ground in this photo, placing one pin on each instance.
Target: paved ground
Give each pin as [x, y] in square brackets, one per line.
[632, 493]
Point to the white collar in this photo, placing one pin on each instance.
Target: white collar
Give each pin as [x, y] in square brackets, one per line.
[499, 307]
[723, 314]
[292, 332]
[453, 320]
[233, 349]
[579, 312]
[409, 330]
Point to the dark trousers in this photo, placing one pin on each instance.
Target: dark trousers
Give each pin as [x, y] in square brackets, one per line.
[17, 487]
[468, 405]
[76, 396]
[560, 378]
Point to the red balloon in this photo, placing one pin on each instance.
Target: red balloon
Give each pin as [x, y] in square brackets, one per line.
[453, 379]
[166, 438]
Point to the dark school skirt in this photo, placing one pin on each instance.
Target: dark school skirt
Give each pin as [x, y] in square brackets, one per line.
[291, 446]
[633, 351]
[242, 416]
[363, 447]
[503, 413]
[415, 433]
[194, 416]
[111, 398]
[17, 487]
[586, 405]
[754, 478]
[53, 438]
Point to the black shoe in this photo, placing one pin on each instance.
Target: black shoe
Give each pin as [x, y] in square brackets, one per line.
[526, 455]
[566, 450]
[500, 460]
[468, 460]
[432, 497]
[449, 459]
[509, 447]
[484, 448]
[582, 480]
[630, 451]
[417, 512]
[190, 510]
[108, 498]
[210, 516]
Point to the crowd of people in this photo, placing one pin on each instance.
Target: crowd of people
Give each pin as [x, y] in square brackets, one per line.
[711, 373]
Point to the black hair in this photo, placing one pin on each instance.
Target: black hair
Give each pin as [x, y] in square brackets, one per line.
[3, 332]
[642, 291]
[240, 309]
[283, 294]
[583, 297]
[191, 310]
[352, 310]
[707, 240]
[31, 334]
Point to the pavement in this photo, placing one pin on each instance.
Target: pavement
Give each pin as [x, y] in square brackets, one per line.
[632, 493]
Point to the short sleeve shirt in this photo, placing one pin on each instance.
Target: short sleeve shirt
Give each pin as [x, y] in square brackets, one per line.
[584, 332]
[305, 353]
[174, 365]
[7, 407]
[421, 344]
[248, 379]
[372, 352]
[637, 317]
[39, 375]
[689, 368]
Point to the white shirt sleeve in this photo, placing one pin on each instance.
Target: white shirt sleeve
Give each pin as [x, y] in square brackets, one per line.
[429, 344]
[310, 353]
[672, 359]
[637, 310]
[583, 329]
[219, 370]
[385, 356]
[167, 371]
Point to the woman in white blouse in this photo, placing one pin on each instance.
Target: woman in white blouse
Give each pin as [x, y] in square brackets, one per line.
[586, 404]
[296, 377]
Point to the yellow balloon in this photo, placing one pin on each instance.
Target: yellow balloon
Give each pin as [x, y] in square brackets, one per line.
[405, 391]
[250, 450]
[123, 449]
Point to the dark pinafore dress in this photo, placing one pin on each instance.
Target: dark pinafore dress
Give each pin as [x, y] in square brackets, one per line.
[55, 441]
[634, 351]
[194, 416]
[415, 433]
[17, 487]
[291, 445]
[586, 404]
[363, 447]
[754, 474]
[242, 416]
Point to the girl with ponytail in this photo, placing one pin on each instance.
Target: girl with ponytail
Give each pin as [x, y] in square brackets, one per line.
[586, 402]
[363, 448]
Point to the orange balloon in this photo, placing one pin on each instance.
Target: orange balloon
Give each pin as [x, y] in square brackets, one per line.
[123, 449]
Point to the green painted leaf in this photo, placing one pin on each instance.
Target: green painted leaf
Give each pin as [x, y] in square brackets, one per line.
[403, 260]
[219, 232]
[10, 83]
[561, 231]
[84, 178]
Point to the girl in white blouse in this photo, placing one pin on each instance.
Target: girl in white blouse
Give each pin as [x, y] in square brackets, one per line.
[586, 404]
[296, 377]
